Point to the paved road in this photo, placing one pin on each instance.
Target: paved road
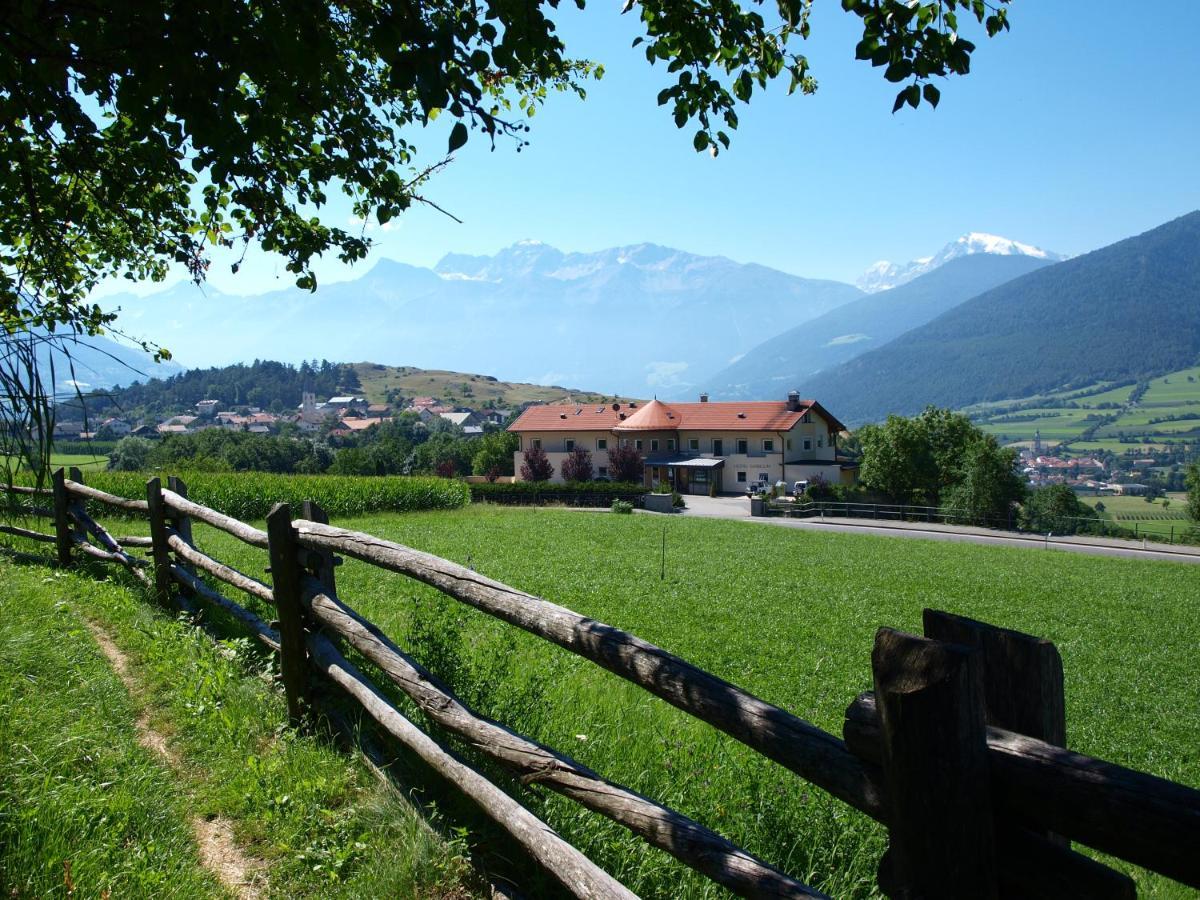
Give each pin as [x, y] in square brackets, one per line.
[739, 508]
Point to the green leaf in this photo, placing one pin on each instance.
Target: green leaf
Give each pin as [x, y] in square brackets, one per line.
[932, 95]
[700, 141]
[458, 136]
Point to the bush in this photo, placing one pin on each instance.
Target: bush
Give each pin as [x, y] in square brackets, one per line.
[577, 466]
[248, 496]
[537, 466]
[625, 463]
[622, 507]
[677, 500]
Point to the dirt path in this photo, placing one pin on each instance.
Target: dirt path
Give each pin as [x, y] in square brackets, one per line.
[244, 876]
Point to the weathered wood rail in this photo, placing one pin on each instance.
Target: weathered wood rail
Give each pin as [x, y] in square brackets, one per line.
[960, 749]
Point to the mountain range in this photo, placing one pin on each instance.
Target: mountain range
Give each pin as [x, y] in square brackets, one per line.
[854, 328]
[637, 320]
[1129, 310]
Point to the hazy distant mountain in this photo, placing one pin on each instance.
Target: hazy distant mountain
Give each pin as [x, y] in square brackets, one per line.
[97, 363]
[885, 275]
[635, 320]
[1129, 310]
[783, 362]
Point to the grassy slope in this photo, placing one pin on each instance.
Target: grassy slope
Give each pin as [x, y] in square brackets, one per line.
[81, 788]
[790, 616]
[462, 388]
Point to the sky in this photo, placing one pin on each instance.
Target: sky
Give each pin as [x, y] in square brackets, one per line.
[1078, 127]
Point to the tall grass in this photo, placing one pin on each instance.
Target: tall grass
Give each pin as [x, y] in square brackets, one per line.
[250, 495]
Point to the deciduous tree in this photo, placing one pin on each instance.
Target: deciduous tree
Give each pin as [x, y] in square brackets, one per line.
[537, 466]
[625, 463]
[577, 466]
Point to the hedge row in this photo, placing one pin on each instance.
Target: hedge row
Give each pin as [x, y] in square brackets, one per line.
[577, 493]
[250, 495]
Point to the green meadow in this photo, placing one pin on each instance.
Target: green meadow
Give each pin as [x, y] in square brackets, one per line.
[788, 615]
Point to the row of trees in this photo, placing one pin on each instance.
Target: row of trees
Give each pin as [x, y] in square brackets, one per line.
[624, 464]
[402, 446]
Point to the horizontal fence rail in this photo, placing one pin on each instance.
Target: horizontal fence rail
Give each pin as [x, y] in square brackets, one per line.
[805, 749]
[928, 744]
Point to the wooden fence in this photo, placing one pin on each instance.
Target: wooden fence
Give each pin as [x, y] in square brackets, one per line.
[959, 750]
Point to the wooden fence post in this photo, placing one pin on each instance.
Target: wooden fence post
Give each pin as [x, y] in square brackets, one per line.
[160, 549]
[62, 521]
[934, 744]
[181, 523]
[285, 581]
[321, 562]
[1022, 675]
[78, 532]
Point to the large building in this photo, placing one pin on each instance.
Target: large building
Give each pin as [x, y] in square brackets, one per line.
[693, 446]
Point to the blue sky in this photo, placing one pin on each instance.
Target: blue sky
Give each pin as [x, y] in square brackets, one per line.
[1077, 128]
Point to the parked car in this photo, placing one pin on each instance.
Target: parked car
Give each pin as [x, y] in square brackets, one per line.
[799, 488]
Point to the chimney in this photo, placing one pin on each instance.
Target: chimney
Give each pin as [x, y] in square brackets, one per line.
[704, 398]
[793, 401]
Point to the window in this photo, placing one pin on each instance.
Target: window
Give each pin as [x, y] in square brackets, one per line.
[693, 443]
[789, 443]
[520, 443]
[820, 442]
[654, 446]
[602, 444]
[570, 445]
[808, 443]
[536, 442]
[743, 447]
[768, 445]
[741, 477]
[807, 418]
[718, 447]
[637, 445]
[670, 443]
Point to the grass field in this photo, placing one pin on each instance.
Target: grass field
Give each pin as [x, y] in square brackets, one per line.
[791, 617]
[787, 615]
[1173, 395]
[462, 388]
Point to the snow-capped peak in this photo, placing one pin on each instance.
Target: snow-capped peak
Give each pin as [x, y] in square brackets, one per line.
[883, 275]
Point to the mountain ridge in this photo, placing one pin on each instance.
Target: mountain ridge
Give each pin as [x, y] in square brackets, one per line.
[1136, 304]
[885, 275]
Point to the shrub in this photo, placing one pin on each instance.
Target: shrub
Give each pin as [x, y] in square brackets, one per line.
[819, 490]
[677, 500]
[536, 466]
[251, 495]
[622, 507]
[625, 463]
[577, 466]
[662, 487]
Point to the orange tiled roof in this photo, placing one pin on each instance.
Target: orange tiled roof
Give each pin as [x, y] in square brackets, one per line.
[597, 417]
[752, 415]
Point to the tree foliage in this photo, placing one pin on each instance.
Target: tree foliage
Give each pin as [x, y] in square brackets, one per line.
[625, 463]
[1192, 480]
[578, 465]
[536, 465]
[141, 136]
[940, 458]
[494, 454]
